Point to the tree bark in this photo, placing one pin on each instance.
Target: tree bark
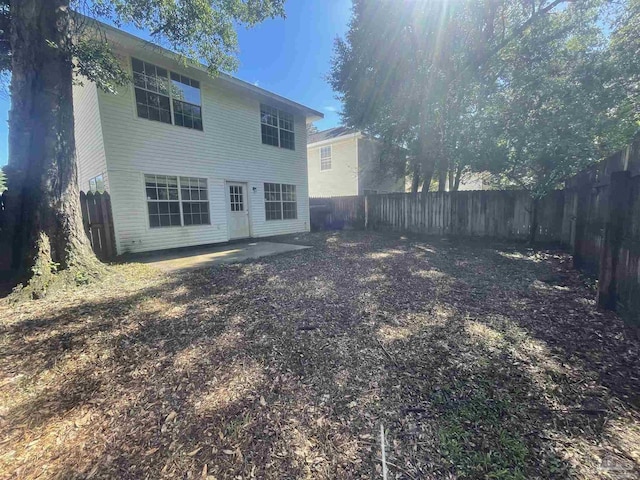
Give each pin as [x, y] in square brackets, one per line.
[415, 179]
[442, 178]
[535, 206]
[46, 221]
[428, 169]
[456, 181]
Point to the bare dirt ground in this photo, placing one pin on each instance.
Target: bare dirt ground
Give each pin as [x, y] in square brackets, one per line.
[481, 361]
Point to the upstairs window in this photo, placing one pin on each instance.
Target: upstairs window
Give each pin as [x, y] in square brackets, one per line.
[187, 110]
[277, 127]
[156, 95]
[325, 158]
[152, 91]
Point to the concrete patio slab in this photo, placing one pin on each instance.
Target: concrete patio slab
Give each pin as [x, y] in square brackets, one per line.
[210, 256]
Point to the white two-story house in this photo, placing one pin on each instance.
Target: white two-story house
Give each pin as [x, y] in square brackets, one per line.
[345, 162]
[189, 159]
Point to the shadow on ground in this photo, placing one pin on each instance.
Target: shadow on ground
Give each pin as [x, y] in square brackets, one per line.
[481, 361]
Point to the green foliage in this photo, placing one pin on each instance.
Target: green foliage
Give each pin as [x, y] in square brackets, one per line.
[96, 62]
[201, 30]
[558, 101]
[198, 30]
[531, 91]
[5, 25]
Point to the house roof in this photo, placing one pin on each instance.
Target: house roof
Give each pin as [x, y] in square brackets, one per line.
[330, 134]
[129, 41]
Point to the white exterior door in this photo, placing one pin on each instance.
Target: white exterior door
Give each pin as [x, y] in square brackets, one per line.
[238, 210]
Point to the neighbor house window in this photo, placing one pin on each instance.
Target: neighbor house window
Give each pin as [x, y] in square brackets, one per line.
[155, 95]
[96, 184]
[195, 201]
[280, 201]
[277, 127]
[325, 158]
[176, 201]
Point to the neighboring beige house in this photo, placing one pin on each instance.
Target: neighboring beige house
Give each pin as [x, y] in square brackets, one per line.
[344, 162]
[189, 159]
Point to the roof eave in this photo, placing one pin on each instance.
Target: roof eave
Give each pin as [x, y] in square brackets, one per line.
[131, 41]
[335, 139]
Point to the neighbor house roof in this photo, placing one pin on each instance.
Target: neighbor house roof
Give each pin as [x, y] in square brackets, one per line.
[331, 134]
[131, 42]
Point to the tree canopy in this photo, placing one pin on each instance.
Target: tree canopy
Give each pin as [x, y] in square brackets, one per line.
[531, 91]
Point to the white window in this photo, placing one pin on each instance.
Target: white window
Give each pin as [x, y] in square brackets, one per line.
[163, 200]
[96, 184]
[155, 95]
[277, 127]
[195, 201]
[280, 201]
[173, 201]
[325, 158]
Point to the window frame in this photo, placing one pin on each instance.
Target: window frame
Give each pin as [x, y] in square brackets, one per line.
[269, 109]
[191, 201]
[169, 95]
[280, 201]
[330, 158]
[95, 182]
[180, 201]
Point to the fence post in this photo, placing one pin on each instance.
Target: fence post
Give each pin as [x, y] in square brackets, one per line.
[366, 212]
[105, 206]
[582, 209]
[619, 201]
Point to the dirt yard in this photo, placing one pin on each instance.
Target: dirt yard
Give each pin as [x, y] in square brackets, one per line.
[481, 361]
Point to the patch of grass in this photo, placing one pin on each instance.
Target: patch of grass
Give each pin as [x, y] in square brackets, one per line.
[478, 435]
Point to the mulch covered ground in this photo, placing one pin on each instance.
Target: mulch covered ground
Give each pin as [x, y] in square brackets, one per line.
[481, 361]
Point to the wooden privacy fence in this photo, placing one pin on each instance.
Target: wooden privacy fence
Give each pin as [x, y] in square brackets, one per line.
[603, 206]
[98, 223]
[501, 214]
[597, 216]
[336, 213]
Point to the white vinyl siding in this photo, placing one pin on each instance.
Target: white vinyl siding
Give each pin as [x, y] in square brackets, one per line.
[230, 149]
[342, 178]
[91, 157]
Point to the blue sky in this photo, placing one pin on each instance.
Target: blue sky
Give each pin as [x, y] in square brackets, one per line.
[290, 57]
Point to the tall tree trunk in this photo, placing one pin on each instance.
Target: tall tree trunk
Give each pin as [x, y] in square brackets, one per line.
[450, 175]
[415, 179]
[45, 207]
[535, 206]
[442, 179]
[427, 169]
[456, 181]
